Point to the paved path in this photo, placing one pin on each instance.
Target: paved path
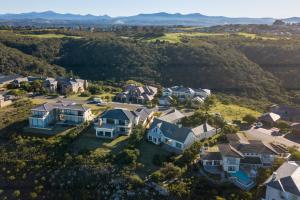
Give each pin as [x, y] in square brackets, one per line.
[266, 136]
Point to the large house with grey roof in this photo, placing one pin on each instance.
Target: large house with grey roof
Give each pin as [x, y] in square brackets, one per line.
[71, 85]
[137, 94]
[284, 183]
[115, 122]
[186, 93]
[47, 115]
[241, 159]
[168, 132]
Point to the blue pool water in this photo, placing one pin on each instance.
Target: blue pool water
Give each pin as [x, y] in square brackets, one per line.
[242, 177]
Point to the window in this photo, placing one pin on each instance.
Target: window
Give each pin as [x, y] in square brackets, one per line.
[100, 133]
[107, 134]
[150, 138]
[178, 145]
[155, 140]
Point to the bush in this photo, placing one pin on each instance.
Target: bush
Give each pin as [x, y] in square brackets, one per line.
[85, 94]
[127, 156]
[33, 195]
[250, 119]
[230, 129]
[136, 181]
[17, 193]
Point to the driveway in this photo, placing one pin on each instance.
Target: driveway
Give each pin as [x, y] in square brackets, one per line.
[270, 135]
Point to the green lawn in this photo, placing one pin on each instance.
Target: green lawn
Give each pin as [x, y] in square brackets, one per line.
[147, 151]
[233, 112]
[89, 142]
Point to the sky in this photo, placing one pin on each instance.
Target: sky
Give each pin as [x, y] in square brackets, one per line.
[229, 8]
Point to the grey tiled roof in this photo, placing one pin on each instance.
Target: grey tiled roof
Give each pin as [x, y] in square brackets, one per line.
[119, 114]
[255, 146]
[229, 151]
[173, 115]
[251, 160]
[212, 156]
[143, 113]
[287, 178]
[50, 106]
[170, 130]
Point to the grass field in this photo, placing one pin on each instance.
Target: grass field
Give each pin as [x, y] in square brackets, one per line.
[233, 112]
[176, 37]
[49, 35]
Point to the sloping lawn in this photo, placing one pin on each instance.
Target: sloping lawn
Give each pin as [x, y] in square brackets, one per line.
[147, 152]
[232, 112]
[89, 142]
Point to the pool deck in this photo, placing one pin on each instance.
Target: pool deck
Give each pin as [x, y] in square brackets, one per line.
[242, 180]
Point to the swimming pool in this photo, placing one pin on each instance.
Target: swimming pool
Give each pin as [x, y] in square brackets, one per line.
[242, 177]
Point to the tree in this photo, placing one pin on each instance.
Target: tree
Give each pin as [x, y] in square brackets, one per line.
[250, 119]
[295, 154]
[16, 193]
[190, 154]
[230, 129]
[136, 135]
[127, 156]
[170, 171]
[283, 126]
[209, 102]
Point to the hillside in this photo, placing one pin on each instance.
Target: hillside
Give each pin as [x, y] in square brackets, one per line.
[232, 64]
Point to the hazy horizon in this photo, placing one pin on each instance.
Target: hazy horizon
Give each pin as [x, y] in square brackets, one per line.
[115, 8]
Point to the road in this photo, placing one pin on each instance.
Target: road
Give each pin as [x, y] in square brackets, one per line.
[265, 135]
[112, 104]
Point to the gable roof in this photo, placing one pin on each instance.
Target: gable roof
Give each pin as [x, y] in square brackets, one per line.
[202, 129]
[229, 151]
[286, 178]
[254, 146]
[270, 117]
[170, 130]
[50, 106]
[119, 114]
[143, 113]
[212, 156]
[172, 116]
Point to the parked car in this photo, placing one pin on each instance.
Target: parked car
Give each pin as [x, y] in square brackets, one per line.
[258, 125]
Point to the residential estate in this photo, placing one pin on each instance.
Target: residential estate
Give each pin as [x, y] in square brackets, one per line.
[62, 112]
[61, 85]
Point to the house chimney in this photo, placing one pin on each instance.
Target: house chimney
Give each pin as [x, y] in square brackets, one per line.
[274, 176]
[100, 122]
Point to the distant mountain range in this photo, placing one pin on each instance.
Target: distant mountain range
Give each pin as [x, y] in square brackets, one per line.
[194, 19]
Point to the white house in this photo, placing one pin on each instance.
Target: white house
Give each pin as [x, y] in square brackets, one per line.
[175, 136]
[284, 183]
[115, 122]
[186, 93]
[48, 114]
